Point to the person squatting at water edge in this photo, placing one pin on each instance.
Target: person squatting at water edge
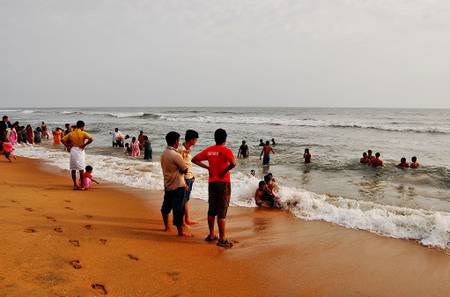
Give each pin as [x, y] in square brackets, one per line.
[220, 161]
[76, 143]
[174, 168]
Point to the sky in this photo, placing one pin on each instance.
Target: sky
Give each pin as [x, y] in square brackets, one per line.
[306, 53]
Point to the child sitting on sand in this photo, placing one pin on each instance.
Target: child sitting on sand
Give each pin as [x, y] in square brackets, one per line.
[87, 177]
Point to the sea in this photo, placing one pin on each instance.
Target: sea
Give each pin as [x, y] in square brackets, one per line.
[401, 203]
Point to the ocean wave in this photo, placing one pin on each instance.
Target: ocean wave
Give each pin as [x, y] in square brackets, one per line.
[138, 114]
[430, 228]
[28, 111]
[308, 122]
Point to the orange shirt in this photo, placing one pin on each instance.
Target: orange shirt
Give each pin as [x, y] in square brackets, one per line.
[57, 136]
[77, 137]
[219, 158]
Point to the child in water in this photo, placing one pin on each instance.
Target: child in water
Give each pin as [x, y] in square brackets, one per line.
[87, 177]
[135, 151]
[307, 156]
[414, 164]
[403, 163]
[127, 149]
[364, 159]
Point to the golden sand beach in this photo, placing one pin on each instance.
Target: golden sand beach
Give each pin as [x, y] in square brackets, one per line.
[109, 240]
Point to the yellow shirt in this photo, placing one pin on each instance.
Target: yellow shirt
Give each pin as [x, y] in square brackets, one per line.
[77, 137]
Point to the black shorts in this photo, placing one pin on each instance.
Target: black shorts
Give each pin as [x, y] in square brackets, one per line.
[174, 200]
[219, 194]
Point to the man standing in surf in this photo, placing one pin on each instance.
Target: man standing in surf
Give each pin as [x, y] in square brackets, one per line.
[220, 161]
[76, 142]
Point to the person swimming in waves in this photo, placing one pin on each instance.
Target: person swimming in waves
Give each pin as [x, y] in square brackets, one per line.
[403, 164]
[414, 164]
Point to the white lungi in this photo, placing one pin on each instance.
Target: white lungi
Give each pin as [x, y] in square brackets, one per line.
[77, 161]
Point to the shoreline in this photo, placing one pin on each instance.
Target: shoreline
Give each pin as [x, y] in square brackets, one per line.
[277, 254]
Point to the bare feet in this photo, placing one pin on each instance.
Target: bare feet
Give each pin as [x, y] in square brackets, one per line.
[185, 234]
[190, 223]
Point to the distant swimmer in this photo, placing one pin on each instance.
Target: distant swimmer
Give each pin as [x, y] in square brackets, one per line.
[243, 150]
[377, 162]
[265, 153]
[364, 159]
[261, 142]
[414, 164]
[307, 156]
[403, 164]
[273, 142]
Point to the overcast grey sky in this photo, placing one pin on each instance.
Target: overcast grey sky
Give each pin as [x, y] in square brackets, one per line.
[377, 53]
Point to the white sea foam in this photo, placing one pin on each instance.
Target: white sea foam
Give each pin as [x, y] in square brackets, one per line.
[430, 228]
[28, 111]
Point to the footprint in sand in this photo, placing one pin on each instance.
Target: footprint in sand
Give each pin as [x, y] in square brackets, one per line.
[51, 218]
[88, 216]
[88, 227]
[74, 242]
[29, 230]
[29, 209]
[99, 288]
[132, 257]
[68, 207]
[13, 201]
[75, 264]
[68, 201]
[58, 229]
[174, 275]
[103, 241]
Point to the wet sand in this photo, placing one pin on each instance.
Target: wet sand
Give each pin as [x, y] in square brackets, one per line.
[110, 240]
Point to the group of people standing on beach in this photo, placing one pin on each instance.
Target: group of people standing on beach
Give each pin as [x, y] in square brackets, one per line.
[176, 164]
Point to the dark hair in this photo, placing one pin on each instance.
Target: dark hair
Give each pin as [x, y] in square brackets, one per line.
[267, 142]
[267, 178]
[80, 124]
[260, 140]
[133, 139]
[66, 125]
[117, 129]
[414, 159]
[127, 144]
[220, 136]
[172, 137]
[145, 137]
[377, 155]
[261, 183]
[364, 154]
[369, 151]
[243, 141]
[89, 168]
[4, 117]
[141, 132]
[403, 159]
[307, 150]
[190, 134]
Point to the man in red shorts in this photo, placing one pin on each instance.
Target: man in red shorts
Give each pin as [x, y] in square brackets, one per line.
[220, 161]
